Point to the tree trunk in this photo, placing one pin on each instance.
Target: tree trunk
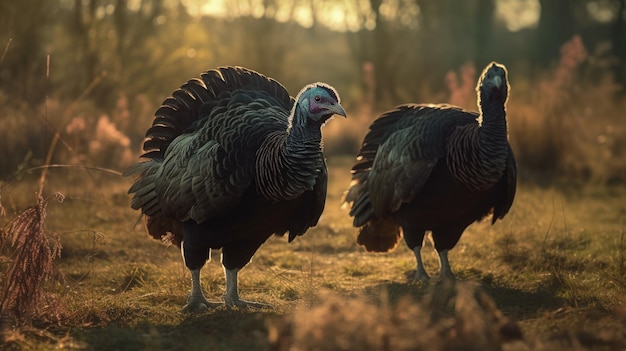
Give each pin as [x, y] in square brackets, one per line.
[556, 26]
[619, 38]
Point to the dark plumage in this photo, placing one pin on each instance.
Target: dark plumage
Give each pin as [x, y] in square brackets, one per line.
[437, 168]
[231, 160]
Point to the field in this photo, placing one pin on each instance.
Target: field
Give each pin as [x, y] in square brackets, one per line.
[550, 276]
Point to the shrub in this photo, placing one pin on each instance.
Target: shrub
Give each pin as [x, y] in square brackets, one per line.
[568, 122]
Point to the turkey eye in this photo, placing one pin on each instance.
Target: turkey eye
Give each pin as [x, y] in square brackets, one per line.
[317, 98]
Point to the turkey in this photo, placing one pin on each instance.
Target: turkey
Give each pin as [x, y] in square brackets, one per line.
[434, 168]
[231, 160]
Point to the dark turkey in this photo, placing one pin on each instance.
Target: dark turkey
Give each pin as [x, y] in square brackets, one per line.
[437, 168]
[231, 160]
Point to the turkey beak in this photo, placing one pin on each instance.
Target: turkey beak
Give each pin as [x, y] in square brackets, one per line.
[497, 81]
[337, 109]
[291, 236]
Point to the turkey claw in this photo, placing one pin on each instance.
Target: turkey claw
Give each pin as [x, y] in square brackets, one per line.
[230, 302]
[421, 277]
[199, 304]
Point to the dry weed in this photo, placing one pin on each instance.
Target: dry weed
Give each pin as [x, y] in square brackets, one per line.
[32, 252]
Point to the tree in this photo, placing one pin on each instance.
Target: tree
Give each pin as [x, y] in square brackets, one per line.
[109, 37]
[379, 47]
[619, 41]
[23, 28]
[556, 26]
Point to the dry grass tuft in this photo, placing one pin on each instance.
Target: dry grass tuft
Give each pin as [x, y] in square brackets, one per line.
[450, 317]
[31, 256]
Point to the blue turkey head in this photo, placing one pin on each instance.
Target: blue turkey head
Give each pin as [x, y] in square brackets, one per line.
[319, 102]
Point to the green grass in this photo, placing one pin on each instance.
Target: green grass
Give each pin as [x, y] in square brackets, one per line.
[555, 266]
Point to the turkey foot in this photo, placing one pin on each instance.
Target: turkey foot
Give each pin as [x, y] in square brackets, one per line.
[199, 304]
[235, 301]
[231, 298]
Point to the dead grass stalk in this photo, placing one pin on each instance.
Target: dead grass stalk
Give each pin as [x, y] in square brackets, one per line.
[34, 250]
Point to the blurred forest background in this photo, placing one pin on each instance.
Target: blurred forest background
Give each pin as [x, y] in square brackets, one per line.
[82, 78]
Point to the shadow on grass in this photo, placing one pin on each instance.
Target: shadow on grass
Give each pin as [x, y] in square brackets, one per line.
[514, 303]
[219, 329]
[519, 304]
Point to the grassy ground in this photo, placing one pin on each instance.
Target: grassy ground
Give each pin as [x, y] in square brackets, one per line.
[551, 275]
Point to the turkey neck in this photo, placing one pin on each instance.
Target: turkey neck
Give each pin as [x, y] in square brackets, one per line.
[289, 163]
[477, 154]
[493, 132]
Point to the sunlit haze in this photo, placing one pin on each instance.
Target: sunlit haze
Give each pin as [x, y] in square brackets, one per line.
[354, 14]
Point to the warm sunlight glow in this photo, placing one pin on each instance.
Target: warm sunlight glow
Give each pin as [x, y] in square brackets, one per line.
[336, 16]
[518, 14]
[356, 14]
[214, 8]
[602, 11]
[302, 15]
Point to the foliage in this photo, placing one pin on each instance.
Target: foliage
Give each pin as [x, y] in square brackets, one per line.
[105, 66]
[88, 136]
[568, 124]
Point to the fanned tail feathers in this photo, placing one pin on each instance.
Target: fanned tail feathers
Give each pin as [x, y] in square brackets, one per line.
[194, 100]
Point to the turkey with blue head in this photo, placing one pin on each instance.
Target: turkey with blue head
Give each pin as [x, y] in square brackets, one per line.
[435, 168]
[232, 159]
